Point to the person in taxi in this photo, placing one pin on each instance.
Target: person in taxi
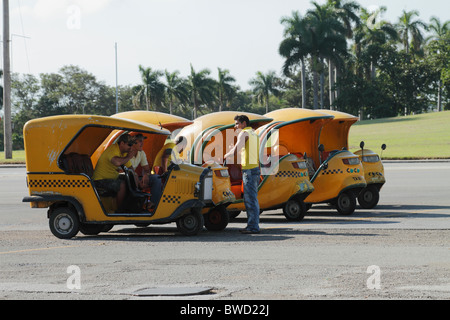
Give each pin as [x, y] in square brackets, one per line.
[148, 179]
[106, 174]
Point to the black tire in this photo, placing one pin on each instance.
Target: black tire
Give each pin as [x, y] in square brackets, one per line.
[64, 223]
[191, 224]
[91, 229]
[216, 219]
[233, 214]
[369, 197]
[346, 203]
[294, 210]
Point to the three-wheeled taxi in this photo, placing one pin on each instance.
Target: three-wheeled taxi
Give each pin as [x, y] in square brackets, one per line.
[213, 134]
[215, 214]
[335, 136]
[59, 177]
[337, 175]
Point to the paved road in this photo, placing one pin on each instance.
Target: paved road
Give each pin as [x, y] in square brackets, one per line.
[400, 250]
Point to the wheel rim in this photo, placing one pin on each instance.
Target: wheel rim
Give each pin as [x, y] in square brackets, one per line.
[215, 217]
[368, 196]
[293, 209]
[63, 223]
[190, 222]
[344, 202]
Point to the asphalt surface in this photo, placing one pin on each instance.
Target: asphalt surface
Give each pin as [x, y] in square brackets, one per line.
[399, 250]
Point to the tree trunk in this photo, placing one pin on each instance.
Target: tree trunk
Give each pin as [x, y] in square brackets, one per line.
[303, 85]
[316, 89]
[331, 71]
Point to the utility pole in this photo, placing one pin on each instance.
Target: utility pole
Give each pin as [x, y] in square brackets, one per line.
[6, 83]
[117, 84]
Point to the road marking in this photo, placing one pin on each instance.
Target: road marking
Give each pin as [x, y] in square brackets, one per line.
[48, 248]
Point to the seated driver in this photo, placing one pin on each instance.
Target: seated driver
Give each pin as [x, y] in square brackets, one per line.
[106, 174]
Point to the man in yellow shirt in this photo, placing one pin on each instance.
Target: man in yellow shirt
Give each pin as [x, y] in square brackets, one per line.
[106, 174]
[248, 145]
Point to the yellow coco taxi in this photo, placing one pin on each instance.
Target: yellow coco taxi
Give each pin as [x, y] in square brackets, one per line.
[59, 177]
[337, 175]
[335, 136]
[287, 175]
[215, 216]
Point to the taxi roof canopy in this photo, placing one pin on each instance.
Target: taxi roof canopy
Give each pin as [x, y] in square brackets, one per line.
[168, 121]
[297, 131]
[46, 139]
[205, 125]
[335, 133]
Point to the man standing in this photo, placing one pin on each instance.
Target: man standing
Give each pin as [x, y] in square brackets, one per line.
[106, 173]
[248, 146]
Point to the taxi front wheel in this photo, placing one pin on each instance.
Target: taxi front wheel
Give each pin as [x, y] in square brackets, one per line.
[64, 223]
[346, 203]
[190, 224]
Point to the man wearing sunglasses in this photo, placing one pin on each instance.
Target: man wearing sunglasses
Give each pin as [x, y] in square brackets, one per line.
[106, 174]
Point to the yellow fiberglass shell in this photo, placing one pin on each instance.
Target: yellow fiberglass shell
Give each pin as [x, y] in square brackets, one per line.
[373, 167]
[196, 133]
[335, 137]
[335, 177]
[278, 187]
[335, 133]
[304, 135]
[299, 131]
[167, 121]
[50, 141]
[47, 138]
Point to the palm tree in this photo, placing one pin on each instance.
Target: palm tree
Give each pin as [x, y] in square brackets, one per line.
[327, 42]
[408, 27]
[372, 33]
[152, 89]
[440, 31]
[201, 88]
[347, 13]
[264, 85]
[295, 48]
[225, 87]
[176, 88]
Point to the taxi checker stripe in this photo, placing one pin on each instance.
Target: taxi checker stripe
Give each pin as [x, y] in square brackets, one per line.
[334, 171]
[59, 184]
[283, 174]
[171, 199]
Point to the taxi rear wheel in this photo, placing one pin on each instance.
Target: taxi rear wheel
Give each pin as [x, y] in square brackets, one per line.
[294, 210]
[216, 219]
[369, 197]
[190, 224]
[346, 203]
[64, 223]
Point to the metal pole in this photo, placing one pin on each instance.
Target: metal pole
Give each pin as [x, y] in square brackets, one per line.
[117, 89]
[6, 83]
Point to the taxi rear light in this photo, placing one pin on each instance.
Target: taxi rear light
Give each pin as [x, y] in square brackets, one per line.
[351, 161]
[299, 165]
[374, 158]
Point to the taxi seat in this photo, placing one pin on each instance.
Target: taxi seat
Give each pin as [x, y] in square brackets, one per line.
[78, 163]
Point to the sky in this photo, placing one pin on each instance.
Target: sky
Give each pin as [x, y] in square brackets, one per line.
[242, 36]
